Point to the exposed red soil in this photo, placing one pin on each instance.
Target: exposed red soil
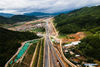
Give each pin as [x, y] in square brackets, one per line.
[78, 36]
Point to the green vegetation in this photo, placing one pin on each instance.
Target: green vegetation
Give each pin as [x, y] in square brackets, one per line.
[16, 18]
[40, 61]
[41, 29]
[37, 22]
[28, 56]
[36, 57]
[13, 25]
[68, 37]
[62, 36]
[84, 19]
[90, 46]
[10, 41]
[67, 54]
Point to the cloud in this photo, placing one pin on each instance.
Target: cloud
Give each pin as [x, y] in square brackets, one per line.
[51, 6]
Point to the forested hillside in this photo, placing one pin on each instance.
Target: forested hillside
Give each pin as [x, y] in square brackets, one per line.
[90, 46]
[10, 41]
[6, 14]
[16, 18]
[84, 19]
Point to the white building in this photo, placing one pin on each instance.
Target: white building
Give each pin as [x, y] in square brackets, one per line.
[90, 65]
[73, 43]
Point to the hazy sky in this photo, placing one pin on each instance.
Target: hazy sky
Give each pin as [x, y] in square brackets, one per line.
[50, 6]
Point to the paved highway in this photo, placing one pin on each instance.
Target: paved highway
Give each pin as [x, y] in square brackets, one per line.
[54, 33]
[47, 57]
[51, 57]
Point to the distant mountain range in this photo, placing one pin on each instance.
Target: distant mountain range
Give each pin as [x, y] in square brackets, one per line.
[6, 14]
[34, 14]
[16, 18]
[40, 14]
[11, 18]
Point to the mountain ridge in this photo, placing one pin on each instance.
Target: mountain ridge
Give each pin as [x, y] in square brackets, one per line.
[8, 15]
[16, 18]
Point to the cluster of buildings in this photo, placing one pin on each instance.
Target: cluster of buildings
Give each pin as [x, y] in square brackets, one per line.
[75, 57]
[26, 27]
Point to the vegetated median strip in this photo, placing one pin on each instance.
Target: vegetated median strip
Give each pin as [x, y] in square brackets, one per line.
[35, 56]
[44, 52]
[41, 53]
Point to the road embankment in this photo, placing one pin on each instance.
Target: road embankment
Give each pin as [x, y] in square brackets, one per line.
[64, 58]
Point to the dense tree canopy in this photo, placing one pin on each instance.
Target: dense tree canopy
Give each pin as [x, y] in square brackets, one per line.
[90, 46]
[82, 19]
[10, 41]
[16, 18]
